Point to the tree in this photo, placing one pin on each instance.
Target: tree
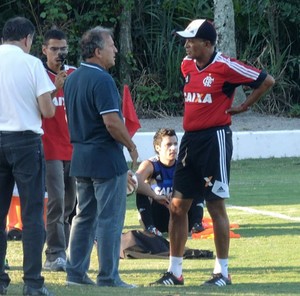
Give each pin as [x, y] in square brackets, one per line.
[264, 33]
[125, 42]
[224, 23]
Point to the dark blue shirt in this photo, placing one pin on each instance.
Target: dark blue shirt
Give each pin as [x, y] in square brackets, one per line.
[91, 92]
[162, 177]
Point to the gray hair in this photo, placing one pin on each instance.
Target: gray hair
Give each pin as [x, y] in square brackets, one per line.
[93, 39]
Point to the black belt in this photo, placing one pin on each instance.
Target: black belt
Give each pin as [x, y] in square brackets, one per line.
[27, 132]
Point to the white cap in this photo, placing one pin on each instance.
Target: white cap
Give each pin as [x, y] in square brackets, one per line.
[200, 28]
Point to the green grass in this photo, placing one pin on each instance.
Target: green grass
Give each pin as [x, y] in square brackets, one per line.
[264, 261]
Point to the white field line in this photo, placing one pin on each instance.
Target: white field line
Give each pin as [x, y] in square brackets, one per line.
[265, 213]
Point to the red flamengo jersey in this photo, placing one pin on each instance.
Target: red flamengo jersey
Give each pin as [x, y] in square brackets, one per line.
[209, 92]
[56, 138]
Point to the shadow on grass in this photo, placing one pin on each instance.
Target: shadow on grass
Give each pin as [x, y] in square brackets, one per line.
[194, 277]
[131, 227]
[200, 270]
[255, 230]
[235, 289]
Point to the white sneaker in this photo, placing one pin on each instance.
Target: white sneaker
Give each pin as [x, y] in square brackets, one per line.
[57, 265]
[154, 230]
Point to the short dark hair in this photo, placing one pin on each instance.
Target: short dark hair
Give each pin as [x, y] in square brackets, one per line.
[54, 34]
[17, 28]
[93, 39]
[162, 132]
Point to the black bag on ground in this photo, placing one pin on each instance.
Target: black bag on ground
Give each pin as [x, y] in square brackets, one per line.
[197, 254]
[136, 244]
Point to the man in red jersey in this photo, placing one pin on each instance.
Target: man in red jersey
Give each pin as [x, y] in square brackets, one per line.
[58, 152]
[203, 166]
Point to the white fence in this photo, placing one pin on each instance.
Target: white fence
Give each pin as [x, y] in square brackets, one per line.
[260, 144]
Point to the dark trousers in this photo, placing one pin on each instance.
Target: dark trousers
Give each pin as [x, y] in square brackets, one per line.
[22, 161]
[61, 201]
[155, 214]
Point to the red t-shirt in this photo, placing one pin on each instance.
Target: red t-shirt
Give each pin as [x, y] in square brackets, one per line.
[56, 138]
[209, 92]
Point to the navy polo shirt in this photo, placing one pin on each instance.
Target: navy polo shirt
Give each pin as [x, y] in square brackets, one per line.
[91, 92]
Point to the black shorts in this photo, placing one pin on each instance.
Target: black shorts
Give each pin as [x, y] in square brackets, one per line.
[203, 165]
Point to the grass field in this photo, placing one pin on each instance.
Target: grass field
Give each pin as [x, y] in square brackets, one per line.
[264, 261]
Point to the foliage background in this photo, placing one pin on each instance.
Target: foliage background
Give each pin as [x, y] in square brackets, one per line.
[267, 36]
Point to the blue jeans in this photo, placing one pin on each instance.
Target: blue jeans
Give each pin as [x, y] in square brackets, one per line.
[100, 214]
[22, 161]
[61, 201]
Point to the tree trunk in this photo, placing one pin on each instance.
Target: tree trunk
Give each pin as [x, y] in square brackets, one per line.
[224, 23]
[125, 43]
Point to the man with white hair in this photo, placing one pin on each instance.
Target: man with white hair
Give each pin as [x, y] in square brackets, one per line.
[98, 135]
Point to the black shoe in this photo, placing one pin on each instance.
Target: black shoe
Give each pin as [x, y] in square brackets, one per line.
[3, 290]
[168, 279]
[198, 227]
[14, 234]
[218, 280]
[28, 291]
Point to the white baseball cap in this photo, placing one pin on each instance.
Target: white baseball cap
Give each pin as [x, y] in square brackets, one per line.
[200, 28]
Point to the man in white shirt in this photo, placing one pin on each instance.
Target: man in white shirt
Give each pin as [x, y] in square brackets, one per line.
[25, 96]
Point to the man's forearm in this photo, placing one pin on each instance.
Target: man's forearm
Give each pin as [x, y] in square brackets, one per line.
[118, 131]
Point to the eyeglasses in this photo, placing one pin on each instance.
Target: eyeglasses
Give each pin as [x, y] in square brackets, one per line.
[56, 49]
